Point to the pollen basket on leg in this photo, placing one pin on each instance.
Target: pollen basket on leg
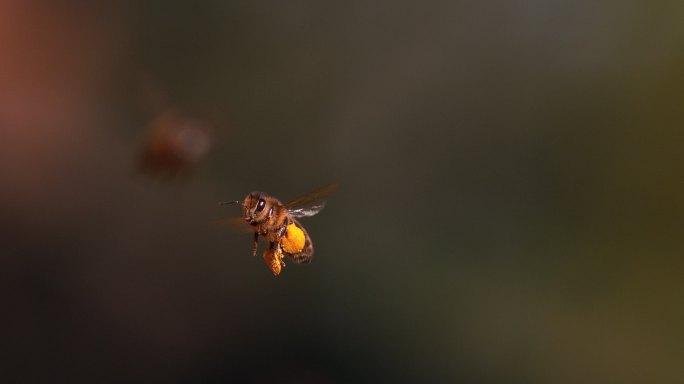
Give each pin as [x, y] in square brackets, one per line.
[293, 240]
[274, 260]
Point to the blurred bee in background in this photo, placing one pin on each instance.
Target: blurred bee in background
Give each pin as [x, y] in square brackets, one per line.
[277, 223]
[176, 141]
[175, 145]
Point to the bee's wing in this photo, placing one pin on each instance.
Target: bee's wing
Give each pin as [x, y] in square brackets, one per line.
[237, 223]
[312, 203]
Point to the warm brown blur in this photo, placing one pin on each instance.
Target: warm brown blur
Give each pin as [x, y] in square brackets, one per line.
[510, 205]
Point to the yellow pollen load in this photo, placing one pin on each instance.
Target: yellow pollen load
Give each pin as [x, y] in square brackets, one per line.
[293, 240]
[273, 259]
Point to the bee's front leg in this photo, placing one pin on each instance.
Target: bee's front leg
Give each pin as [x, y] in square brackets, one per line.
[256, 243]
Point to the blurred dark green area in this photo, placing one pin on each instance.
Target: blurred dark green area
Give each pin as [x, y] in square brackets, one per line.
[510, 206]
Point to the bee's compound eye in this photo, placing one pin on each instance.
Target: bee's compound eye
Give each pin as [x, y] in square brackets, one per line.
[260, 205]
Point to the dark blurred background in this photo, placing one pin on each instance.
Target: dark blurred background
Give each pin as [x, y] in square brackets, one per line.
[510, 206]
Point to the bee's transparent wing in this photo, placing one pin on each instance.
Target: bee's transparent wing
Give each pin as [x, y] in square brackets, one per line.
[312, 203]
[236, 223]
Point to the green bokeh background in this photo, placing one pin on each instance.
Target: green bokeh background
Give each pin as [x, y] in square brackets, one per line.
[510, 205]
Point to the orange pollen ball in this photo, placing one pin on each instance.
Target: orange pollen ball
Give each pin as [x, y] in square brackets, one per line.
[293, 240]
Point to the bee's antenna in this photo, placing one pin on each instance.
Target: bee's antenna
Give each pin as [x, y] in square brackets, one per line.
[230, 202]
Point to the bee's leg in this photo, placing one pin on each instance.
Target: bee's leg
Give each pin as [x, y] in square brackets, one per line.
[256, 243]
[278, 252]
[271, 260]
[273, 256]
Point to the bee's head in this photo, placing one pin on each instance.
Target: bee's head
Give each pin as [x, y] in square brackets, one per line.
[256, 208]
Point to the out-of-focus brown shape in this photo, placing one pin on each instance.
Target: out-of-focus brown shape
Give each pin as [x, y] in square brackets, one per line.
[176, 144]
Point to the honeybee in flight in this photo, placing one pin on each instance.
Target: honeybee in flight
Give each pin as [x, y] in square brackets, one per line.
[277, 223]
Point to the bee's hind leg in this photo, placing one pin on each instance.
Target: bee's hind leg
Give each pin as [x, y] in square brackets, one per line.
[278, 252]
[273, 257]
